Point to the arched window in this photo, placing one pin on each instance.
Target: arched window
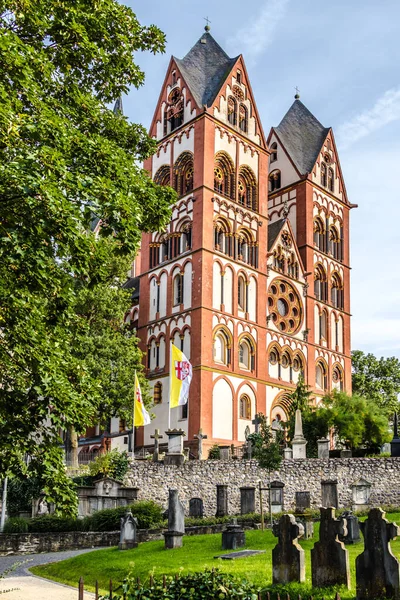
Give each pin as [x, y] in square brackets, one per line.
[319, 234]
[246, 354]
[242, 293]
[246, 248]
[274, 181]
[274, 152]
[320, 376]
[337, 291]
[243, 119]
[163, 175]
[279, 259]
[323, 174]
[293, 266]
[245, 407]
[323, 326]
[335, 245]
[331, 180]
[222, 347]
[164, 249]
[186, 237]
[297, 364]
[232, 110]
[178, 289]
[183, 174]
[320, 284]
[224, 175]
[337, 378]
[247, 188]
[173, 116]
[273, 356]
[222, 237]
[157, 393]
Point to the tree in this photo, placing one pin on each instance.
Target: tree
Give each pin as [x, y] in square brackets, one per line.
[67, 162]
[377, 380]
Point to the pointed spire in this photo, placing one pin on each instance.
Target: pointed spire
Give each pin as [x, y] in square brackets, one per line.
[118, 108]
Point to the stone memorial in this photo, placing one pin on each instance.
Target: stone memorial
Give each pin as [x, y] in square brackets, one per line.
[288, 562]
[353, 529]
[377, 570]
[323, 448]
[277, 496]
[176, 521]
[361, 491]
[196, 508]
[156, 452]
[105, 493]
[329, 493]
[329, 557]
[247, 500]
[299, 442]
[287, 453]
[395, 443]
[200, 437]
[345, 453]
[175, 455]
[128, 532]
[225, 452]
[222, 500]
[233, 536]
[303, 502]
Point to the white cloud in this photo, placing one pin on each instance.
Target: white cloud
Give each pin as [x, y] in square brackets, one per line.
[385, 110]
[252, 39]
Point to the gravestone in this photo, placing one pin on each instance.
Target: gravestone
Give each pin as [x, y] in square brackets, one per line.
[329, 557]
[200, 437]
[277, 496]
[353, 529]
[233, 536]
[156, 452]
[323, 448]
[299, 442]
[222, 500]
[377, 570]
[288, 563]
[105, 493]
[303, 501]
[128, 532]
[329, 493]
[361, 491]
[247, 500]
[225, 452]
[175, 455]
[176, 521]
[287, 453]
[196, 508]
[345, 453]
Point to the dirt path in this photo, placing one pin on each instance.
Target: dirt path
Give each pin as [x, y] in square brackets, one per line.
[35, 588]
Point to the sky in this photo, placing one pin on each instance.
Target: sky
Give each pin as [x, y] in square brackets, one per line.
[344, 56]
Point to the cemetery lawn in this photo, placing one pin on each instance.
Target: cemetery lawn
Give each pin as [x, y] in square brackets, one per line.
[196, 554]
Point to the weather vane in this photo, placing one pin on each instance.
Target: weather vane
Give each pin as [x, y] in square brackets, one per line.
[207, 27]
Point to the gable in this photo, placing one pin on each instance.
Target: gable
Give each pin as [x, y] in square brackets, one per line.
[282, 242]
[328, 160]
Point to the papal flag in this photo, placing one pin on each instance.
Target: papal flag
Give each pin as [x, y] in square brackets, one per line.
[180, 376]
[141, 416]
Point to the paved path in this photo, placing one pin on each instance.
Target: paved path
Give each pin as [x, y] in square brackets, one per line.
[36, 588]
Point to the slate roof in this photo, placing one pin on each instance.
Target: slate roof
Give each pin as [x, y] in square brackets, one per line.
[205, 68]
[273, 231]
[133, 282]
[118, 106]
[302, 135]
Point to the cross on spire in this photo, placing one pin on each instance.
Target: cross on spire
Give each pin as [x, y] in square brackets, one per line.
[297, 96]
[207, 27]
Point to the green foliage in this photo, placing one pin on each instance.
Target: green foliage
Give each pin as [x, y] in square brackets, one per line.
[20, 493]
[148, 513]
[214, 452]
[114, 464]
[267, 450]
[16, 525]
[378, 380]
[53, 523]
[67, 162]
[208, 585]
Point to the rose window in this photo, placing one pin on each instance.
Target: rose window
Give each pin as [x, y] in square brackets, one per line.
[284, 306]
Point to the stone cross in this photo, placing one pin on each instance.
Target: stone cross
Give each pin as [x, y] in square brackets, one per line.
[288, 562]
[377, 570]
[200, 437]
[256, 421]
[329, 557]
[156, 452]
[128, 532]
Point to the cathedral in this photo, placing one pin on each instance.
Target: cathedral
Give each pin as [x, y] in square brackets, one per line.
[251, 278]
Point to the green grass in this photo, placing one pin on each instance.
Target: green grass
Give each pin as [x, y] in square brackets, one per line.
[197, 554]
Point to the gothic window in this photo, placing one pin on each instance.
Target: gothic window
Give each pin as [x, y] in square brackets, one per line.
[297, 364]
[221, 347]
[178, 289]
[323, 174]
[245, 407]
[174, 111]
[239, 76]
[157, 393]
[321, 376]
[293, 266]
[319, 234]
[323, 326]
[173, 77]
[331, 180]
[279, 259]
[274, 152]
[337, 291]
[186, 237]
[164, 249]
[337, 378]
[242, 293]
[246, 354]
[247, 187]
[183, 174]
[163, 175]
[232, 110]
[335, 244]
[285, 360]
[224, 175]
[274, 181]
[320, 284]
[222, 238]
[243, 118]
[246, 248]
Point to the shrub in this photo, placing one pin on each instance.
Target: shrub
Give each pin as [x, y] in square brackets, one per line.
[148, 513]
[107, 519]
[16, 525]
[52, 523]
[207, 585]
[20, 494]
[113, 464]
[214, 452]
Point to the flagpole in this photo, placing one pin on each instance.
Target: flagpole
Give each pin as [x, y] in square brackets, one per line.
[170, 384]
[133, 419]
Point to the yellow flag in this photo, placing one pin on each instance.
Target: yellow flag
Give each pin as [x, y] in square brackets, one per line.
[141, 416]
[180, 378]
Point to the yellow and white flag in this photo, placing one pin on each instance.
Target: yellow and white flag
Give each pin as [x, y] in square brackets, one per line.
[180, 378]
[141, 416]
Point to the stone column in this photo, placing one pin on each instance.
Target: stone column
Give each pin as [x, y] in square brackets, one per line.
[222, 500]
[299, 441]
[323, 448]
[247, 500]
[329, 493]
[175, 454]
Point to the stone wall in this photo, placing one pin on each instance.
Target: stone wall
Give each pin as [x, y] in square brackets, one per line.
[31, 543]
[199, 478]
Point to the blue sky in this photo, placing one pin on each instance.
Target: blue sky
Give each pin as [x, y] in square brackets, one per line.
[344, 57]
